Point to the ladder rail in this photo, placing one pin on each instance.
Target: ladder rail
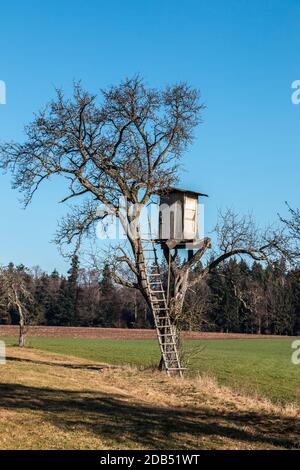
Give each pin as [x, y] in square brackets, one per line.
[160, 310]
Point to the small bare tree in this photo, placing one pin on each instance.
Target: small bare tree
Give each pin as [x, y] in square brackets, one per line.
[16, 294]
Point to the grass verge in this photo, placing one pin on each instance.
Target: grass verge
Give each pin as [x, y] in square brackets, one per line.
[51, 401]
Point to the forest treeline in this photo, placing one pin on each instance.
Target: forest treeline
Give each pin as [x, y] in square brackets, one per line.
[236, 297]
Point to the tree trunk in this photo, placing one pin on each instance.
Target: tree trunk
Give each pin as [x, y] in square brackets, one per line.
[176, 304]
[22, 334]
[161, 365]
[22, 329]
[259, 326]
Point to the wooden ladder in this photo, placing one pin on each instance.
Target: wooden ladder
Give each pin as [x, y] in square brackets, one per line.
[160, 310]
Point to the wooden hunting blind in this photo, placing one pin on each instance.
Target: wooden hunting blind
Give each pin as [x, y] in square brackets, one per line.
[178, 216]
[178, 228]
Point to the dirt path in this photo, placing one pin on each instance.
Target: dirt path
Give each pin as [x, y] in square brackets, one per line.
[116, 333]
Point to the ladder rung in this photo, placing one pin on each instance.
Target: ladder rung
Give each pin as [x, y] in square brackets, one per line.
[160, 309]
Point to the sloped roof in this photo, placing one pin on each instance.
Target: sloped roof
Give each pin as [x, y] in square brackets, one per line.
[172, 189]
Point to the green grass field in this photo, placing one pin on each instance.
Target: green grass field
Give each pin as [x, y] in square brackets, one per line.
[260, 366]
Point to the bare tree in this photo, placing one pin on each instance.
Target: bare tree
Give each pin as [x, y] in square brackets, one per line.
[196, 307]
[253, 298]
[292, 223]
[127, 146]
[16, 294]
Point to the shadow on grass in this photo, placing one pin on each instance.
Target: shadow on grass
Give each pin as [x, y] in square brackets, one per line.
[63, 364]
[113, 418]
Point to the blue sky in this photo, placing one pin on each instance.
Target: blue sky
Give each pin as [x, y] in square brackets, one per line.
[243, 56]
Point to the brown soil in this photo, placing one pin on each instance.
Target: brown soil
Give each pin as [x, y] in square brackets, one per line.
[116, 333]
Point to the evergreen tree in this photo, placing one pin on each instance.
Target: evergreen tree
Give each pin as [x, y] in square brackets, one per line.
[110, 314]
[72, 290]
